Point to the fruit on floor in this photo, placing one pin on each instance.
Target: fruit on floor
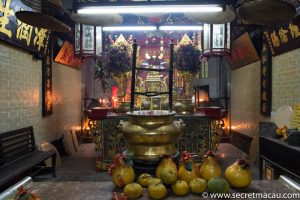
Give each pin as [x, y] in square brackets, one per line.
[218, 185]
[239, 174]
[157, 191]
[166, 161]
[168, 175]
[210, 167]
[180, 188]
[282, 132]
[133, 190]
[144, 179]
[187, 169]
[154, 181]
[121, 171]
[198, 185]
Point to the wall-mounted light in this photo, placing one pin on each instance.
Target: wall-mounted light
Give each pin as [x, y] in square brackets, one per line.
[129, 28]
[149, 8]
[180, 28]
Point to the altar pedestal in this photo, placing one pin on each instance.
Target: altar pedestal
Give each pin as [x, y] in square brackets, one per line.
[195, 136]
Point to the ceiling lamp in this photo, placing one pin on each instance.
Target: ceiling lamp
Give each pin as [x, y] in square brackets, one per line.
[180, 28]
[216, 39]
[226, 16]
[88, 41]
[42, 15]
[97, 20]
[150, 14]
[148, 7]
[265, 12]
[129, 28]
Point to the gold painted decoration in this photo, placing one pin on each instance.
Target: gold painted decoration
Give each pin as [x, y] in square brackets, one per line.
[121, 40]
[185, 40]
[6, 12]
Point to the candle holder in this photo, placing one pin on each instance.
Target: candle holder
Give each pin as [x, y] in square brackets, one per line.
[98, 113]
[184, 107]
[201, 96]
[158, 104]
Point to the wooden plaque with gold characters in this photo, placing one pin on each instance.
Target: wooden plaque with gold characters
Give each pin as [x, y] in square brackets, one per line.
[282, 38]
[47, 104]
[266, 82]
[18, 33]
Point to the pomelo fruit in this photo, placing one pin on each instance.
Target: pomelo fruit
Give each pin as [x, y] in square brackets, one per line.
[218, 185]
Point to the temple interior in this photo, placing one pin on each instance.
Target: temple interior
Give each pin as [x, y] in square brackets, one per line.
[149, 99]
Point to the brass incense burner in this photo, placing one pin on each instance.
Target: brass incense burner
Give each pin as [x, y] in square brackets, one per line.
[184, 107]
[150, 134]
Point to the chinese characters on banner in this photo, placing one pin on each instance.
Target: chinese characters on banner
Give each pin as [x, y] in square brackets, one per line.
[66, 56]
[47, 83]
[296, 116]
[242, 52]
[18, 33]
[283, 38]
[266, 82]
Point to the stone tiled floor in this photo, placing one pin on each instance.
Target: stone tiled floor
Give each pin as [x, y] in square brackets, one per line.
[81, 166]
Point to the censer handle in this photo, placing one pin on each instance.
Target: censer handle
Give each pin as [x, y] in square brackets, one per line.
[122, 124]
[180, 123]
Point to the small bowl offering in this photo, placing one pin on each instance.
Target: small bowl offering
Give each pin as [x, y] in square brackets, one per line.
[98, 113]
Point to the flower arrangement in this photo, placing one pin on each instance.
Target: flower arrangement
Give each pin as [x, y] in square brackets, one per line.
[116, 63]
[187, 56]
[119, 58]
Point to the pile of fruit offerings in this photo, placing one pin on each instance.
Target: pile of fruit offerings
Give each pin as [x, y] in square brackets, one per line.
[182, 179]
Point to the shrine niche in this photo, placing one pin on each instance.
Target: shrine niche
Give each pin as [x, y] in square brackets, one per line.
[153, 53]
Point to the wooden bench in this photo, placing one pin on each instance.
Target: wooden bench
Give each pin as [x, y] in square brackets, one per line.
[19, 156]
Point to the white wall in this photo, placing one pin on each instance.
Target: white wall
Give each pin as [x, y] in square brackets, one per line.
[21, 95]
